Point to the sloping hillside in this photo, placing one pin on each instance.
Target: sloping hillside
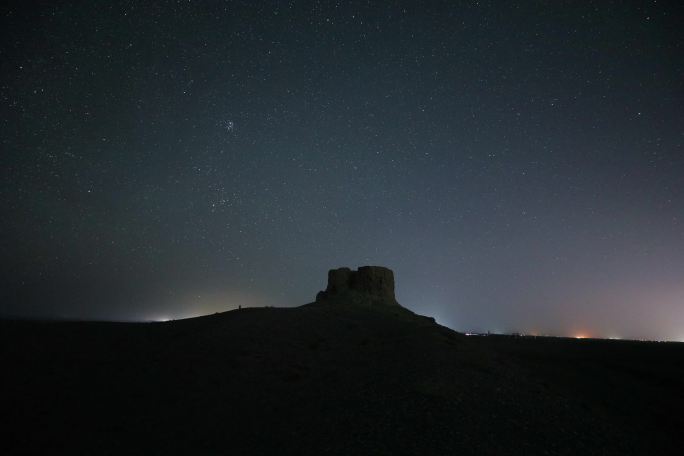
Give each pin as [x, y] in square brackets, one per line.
[318, 379]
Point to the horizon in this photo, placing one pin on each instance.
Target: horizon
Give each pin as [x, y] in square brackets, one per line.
[582, 335]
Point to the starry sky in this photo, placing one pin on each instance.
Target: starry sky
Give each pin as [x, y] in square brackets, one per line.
[519, 165]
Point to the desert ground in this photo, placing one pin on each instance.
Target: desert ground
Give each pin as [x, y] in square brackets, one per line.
[331, 379]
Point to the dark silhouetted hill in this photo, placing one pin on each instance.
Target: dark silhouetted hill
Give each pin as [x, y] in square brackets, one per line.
[331, 377]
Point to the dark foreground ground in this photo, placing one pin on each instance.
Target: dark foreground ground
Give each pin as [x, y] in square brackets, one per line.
[324, 379]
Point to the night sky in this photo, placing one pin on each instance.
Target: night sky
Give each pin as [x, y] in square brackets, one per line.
[520, 166]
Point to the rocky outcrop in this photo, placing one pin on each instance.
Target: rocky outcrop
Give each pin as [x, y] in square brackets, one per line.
[368, 284]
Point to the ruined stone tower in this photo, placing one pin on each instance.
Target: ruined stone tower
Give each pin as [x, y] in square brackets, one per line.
[368, 284]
